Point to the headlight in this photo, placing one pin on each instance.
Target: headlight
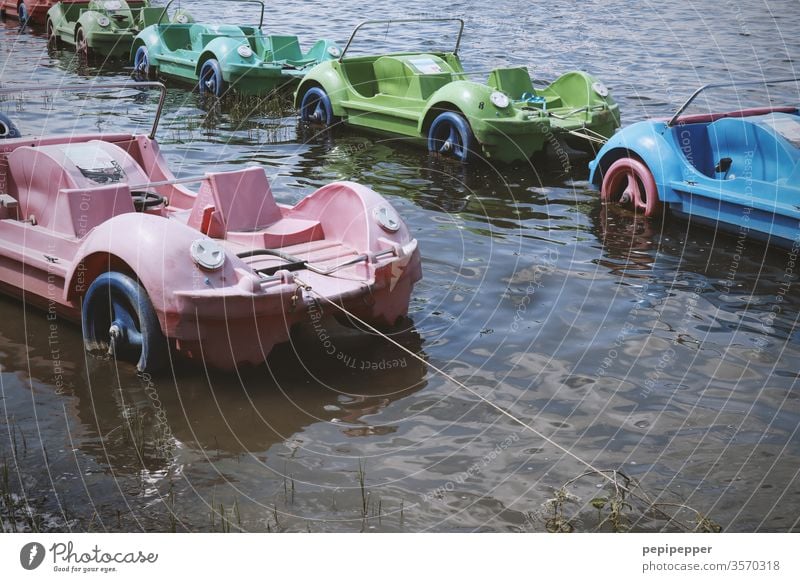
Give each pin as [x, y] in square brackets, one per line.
[207, 254]
[334, 51]
[245, 51]
[600, 89]
[182, 19]
[103, 21]
[499, 100]
[387, 218]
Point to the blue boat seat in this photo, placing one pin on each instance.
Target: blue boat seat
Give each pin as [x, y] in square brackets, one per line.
[693, 141]
[751, 145]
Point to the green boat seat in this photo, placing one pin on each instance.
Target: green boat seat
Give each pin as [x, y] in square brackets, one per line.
[176, 36]
[414, 76]
[152, 14]
[513, 81]
[287, 49]
[361, 76]
[256, 39]
[217, 31]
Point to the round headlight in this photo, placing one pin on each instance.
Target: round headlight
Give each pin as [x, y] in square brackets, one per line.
[499, 100]
[334, 51]
[600, 89]
[182, 19]
[207, 254]
[245, 51]
[388, 218]
[103, 21]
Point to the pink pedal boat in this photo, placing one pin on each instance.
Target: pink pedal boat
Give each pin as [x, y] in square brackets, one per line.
[95, 227]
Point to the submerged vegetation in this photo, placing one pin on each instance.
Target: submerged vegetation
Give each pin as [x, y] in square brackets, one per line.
[620, 505]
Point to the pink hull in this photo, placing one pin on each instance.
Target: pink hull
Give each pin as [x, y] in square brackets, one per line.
[68, 216]
[37, 9]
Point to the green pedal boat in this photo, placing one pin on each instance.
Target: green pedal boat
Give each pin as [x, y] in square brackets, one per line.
[429, 96]
[222, 56]
[103, 27]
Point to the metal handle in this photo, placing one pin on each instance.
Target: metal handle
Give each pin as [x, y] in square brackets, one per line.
[260, 22]
[387, 22]
[683, 107]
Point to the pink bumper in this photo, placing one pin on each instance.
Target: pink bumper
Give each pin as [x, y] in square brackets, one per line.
[240, 324]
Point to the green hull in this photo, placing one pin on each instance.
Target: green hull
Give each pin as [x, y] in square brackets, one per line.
[248, 61]
[510, 120]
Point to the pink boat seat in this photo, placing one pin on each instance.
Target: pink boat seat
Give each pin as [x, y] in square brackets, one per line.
[239, 206]
[73, 187]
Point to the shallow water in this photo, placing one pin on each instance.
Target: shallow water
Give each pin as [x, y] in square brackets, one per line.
[656, 350]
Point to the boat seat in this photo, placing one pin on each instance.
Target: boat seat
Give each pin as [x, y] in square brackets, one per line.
[361, 76]
[152, 14]
[794, 178]
[693, 141]
[513, 81]
[234, 201]
[414, 76]
[71, 188]
[751, 147]
[207, 33]
[287, 49]
[177, 36]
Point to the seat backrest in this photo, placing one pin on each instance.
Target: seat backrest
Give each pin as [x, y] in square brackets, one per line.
[285, 48]
[513, 81]
[209, 33]
[693, 142]
[415, 76]
[71, 188]
[151, 15]
[361, 76]
[390, 73]
[234, 201]
[176, 36]
[752, 148]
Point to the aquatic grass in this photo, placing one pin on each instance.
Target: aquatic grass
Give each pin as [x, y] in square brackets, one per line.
[620, 507]
[18, 513]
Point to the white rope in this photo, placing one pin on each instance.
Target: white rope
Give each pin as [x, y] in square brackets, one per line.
[482, 398]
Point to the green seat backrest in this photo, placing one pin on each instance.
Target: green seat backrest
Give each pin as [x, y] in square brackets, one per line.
[513, 81]
[361, 75]
[415, 76]
[255, 38]
[222, 30]
[175, 36]
[285, 48]
[391, 75]
[423, 86]
[152, 14]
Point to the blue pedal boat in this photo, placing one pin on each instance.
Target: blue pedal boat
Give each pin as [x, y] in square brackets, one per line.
[736, 170]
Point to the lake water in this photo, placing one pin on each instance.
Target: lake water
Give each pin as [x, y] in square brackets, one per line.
[656, 350]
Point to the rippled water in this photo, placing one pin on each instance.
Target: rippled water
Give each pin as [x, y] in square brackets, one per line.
[651, 349]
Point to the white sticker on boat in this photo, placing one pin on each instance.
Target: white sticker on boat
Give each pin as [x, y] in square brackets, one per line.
[425, 66]
[94, 163]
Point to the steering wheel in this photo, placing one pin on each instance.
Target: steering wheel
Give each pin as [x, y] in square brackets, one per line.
[142, 200]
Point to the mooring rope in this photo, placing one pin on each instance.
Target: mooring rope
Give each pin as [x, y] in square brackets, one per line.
[461, 385]
[603, 473]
